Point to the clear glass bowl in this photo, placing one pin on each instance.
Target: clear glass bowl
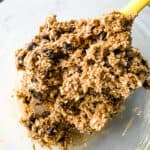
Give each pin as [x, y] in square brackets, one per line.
[19, 21]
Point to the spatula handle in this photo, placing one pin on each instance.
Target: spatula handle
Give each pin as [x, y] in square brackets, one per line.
[135, 6]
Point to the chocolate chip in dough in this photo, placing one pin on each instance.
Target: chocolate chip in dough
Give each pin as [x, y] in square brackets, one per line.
[90, 62]
[107, 64]
[69, 75]
[66, 46]
[117, 51]
[34, 80]
[50, 131]
[62, 105]
[48, 52]
[144, 62]
[31, 46]
[29, 125]
[45, 114]
[78, 69]
[20, 61]
[44, 37]
[71, 29]
[35, 94]
[102, 35]
[30, 122]
[26, 100]
[59, 55]
[61, 137]
[146, 84]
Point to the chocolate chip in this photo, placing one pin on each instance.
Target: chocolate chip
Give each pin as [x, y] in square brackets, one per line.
[54, 55]
[36, 57]
[115, 99]
[62, 105]
[92, 38]
[35, 94]
[49, 73]
[68, 29]
[20, 61]
[58, 55]
[106, 54]
[26, 100]
[102, 35]
[69, 75]
[66, 46]
[107, 64]
[93, 27]
[146, 84]
[78, 69]
[144, 62]
[62, 68]
[29, 125]
[117, 51]
[75, 110]
[55, 96]
[105, 90]
[32, 118]
[96, 104]
[59, 32]
[45, 114]
[82, 41]
[48, 52]
[90, 62]
[130, 54]
[81, 100]
[46, 74]
[71, 29]
[44, 37]
[30, 122]
[31, 46]
[61, 137]
[117, 76]
[84, 49]
[34, 80]
[50, 131]
[130, 88]
[20, 66]
[112, 71]
[91, 91]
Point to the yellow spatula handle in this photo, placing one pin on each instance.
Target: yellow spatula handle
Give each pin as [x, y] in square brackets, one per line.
[135, 6]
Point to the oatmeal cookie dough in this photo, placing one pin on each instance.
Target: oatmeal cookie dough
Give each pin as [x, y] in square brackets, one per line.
[77, 75]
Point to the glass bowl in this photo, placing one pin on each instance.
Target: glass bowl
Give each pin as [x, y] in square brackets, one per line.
[19, 21]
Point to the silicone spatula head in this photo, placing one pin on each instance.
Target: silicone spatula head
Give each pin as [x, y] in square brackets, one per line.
[135, 6]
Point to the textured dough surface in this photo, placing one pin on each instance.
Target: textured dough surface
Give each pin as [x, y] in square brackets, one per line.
[77, 75]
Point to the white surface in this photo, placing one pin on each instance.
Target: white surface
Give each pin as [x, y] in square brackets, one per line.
[19, 21]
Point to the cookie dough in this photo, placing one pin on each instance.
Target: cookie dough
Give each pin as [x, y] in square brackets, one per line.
[76, 76]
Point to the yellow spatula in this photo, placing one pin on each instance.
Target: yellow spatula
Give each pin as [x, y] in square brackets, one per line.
[135, 6]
